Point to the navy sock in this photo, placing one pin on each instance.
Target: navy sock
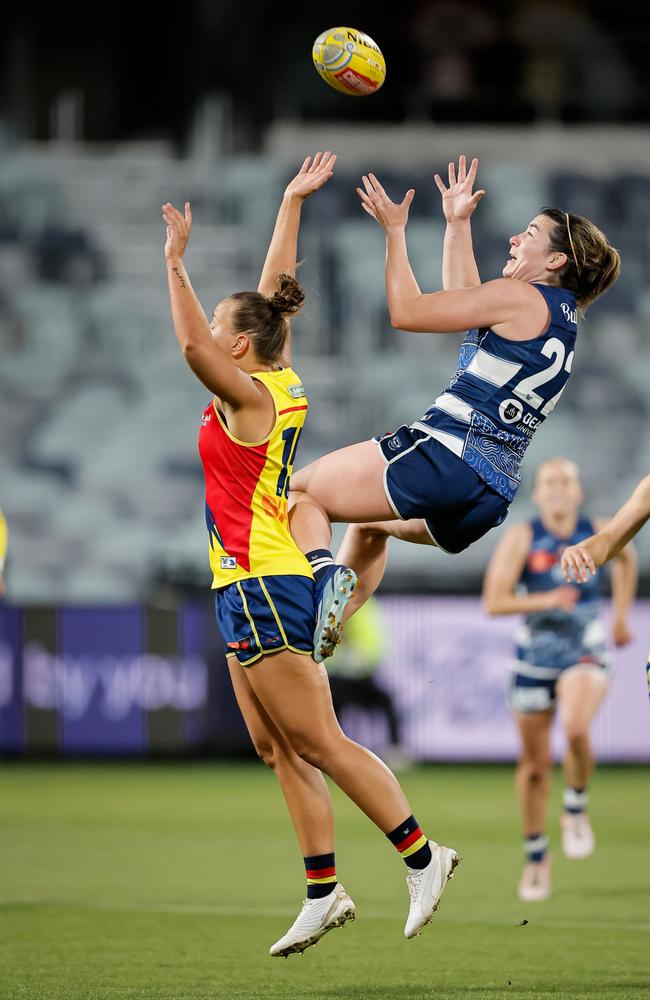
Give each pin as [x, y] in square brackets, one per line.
[320, 560]
[575, 800]
[410, 842]
[321, 875]
[535, 846]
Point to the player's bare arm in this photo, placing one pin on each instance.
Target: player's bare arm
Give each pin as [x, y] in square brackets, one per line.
[282, 254]
[624, 584]
[459, 201]
[504, 572]
[210, 364]
[579, 562]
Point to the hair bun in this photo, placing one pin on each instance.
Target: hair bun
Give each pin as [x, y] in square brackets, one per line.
[288, 296]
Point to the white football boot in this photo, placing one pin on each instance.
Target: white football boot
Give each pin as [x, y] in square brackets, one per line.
[535, 883]
[426, 886]
[578, 839]
[317, 917]
[332, 596]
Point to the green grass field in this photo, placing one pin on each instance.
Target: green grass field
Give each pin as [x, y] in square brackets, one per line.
[172, 882]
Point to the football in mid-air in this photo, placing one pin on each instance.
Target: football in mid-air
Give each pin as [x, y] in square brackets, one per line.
[349, 61]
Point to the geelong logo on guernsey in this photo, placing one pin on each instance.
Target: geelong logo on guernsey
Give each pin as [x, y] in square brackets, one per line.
[228, 562]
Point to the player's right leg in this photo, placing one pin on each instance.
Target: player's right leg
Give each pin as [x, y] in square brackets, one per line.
[327, 904]
[296, 696]
[580, 691]
[532, 781]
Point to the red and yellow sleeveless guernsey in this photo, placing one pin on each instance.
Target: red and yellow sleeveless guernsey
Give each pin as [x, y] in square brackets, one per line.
[247, 485]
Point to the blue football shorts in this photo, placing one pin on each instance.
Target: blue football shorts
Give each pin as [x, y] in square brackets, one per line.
[266, 614]
[534, 689]
[424, 479]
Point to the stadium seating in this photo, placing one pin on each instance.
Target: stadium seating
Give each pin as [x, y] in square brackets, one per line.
[99, 476]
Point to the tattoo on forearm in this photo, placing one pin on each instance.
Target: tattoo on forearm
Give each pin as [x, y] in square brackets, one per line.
[179, 276]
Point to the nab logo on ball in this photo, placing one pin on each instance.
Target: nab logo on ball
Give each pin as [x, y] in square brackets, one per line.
[349, 61]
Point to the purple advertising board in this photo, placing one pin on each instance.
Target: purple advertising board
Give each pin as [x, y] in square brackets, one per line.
[447, 667]
[133, 680]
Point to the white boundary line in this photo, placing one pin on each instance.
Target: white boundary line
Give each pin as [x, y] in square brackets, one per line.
[209, 909]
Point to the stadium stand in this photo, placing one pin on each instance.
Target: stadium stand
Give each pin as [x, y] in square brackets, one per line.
[99, 476]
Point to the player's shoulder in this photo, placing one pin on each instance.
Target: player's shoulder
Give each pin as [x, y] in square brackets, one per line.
[513, 289]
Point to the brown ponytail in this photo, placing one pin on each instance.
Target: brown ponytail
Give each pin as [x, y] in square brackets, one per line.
[264, 318]
[592, 264]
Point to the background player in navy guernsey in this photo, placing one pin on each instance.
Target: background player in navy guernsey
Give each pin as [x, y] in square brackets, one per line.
[449, 476]
[561, 658]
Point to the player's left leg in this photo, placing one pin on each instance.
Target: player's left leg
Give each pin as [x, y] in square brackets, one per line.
[580, 691]
[365, 550]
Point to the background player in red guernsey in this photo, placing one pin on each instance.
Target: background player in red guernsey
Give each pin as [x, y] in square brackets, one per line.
[265, 591]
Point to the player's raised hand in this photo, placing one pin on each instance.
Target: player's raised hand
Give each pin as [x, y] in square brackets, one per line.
[459, 200]
[389, 214]
[312, 175]
[178, 229]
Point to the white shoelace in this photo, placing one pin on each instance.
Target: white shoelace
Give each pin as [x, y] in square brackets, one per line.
[413, 882]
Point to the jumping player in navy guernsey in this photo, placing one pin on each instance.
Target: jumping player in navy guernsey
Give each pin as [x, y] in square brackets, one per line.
[561, 658]
[448, 477]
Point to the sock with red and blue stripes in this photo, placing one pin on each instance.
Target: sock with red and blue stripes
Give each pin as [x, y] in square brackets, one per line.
[321, 875]
[411, 843]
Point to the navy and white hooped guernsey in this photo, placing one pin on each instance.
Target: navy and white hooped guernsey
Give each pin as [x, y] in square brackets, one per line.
[501, 391]
[553, 640]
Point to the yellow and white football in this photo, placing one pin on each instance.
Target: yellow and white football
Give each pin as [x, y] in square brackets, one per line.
[349, 61]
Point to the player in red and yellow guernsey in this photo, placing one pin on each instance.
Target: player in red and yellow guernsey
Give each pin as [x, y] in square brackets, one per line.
[265, 590]
[246, 491]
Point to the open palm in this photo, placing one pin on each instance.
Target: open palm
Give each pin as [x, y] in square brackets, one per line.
[312, 175]
[458, 200]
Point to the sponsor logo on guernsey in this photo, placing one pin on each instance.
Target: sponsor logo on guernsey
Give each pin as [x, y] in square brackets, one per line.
[510, 410]
[228, 562]
[207, 416]
[570, 315]
[393, 442]
[296, 390]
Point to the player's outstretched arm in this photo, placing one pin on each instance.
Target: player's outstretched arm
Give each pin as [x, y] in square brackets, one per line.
[579, 562]
[281, 257]
[459, 268]
[208, 362]
[624, 583]
[503, 575]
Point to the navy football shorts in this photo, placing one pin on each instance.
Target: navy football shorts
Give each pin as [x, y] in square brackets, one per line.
[425, 479]
[534, 689]
[266, 614]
